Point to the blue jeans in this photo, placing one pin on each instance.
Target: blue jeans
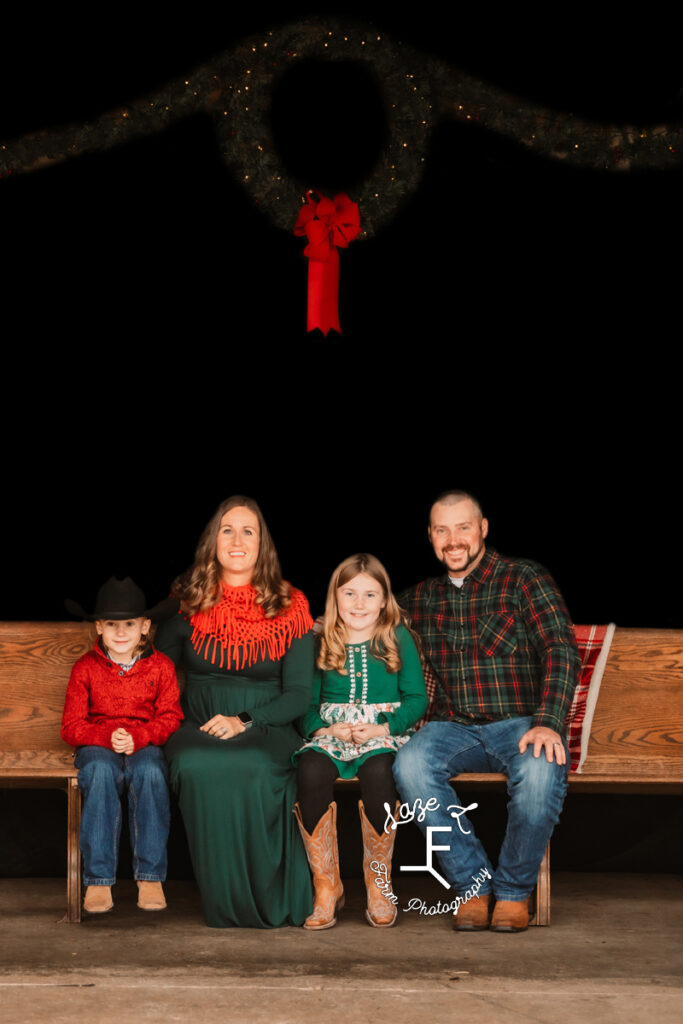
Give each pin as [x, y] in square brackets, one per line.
[102, 777]
[536, 790]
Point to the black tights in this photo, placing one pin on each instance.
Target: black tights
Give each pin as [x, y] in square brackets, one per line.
[315, 778]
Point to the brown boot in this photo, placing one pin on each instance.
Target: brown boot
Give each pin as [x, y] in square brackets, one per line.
[323, 859]
[98, 899]
[510, 916]
[151, 896]
[377, 853]
[473, 916]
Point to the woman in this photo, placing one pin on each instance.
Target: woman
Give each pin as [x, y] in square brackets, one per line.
[245, 637]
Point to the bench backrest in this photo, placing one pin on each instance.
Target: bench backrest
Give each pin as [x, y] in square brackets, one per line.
[637, 731]
[35, 663]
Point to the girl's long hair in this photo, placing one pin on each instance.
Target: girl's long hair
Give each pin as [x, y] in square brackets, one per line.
[383, 643]
[199, 587]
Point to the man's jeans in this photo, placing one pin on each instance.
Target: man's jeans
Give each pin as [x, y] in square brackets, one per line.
[536, 790]
[103, 776]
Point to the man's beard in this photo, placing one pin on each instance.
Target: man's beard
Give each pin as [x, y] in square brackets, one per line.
[472, 556]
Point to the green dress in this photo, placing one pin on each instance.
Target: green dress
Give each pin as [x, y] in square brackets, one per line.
[236, 796]
[367, 693]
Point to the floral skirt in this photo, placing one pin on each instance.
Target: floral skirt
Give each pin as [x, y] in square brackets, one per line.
[349, 755]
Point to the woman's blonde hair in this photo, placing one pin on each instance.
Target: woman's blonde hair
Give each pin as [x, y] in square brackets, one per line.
[199, 589]
[383, 643]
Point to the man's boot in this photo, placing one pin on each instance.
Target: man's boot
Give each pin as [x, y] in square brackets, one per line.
[510, 916]
[473, 916]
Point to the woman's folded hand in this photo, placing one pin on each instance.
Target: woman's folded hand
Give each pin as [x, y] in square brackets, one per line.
[223, 727]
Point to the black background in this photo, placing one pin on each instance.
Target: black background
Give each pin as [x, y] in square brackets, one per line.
[513, 331]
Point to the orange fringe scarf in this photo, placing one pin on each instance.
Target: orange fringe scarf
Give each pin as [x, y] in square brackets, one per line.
[244, 633]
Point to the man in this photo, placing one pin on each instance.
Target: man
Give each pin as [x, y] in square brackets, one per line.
[498, 636]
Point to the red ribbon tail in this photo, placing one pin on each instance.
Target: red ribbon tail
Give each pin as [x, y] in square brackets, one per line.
[323, 294]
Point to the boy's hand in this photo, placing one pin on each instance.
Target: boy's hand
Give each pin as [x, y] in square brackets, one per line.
[122, 742]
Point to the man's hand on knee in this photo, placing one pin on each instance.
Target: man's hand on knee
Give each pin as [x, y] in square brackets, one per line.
[542, 737]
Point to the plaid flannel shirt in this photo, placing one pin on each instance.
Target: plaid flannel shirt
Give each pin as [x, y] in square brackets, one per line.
[501, 645]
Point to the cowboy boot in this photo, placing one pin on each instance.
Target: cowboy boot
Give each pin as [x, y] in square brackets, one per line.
[510, 916]
[98, 899]
[377, 853]
[474, 915]
[323, 859]
[151, 896]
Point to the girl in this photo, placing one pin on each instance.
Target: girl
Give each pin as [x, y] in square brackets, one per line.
[122, 704]
[367, 693]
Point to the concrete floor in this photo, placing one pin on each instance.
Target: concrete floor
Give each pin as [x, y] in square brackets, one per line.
[611, 955]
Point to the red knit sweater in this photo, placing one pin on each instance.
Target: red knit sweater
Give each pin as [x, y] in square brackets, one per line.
[102, 697]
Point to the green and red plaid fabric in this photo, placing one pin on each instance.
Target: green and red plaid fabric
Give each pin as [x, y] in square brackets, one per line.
[500, 645]
[591, 641]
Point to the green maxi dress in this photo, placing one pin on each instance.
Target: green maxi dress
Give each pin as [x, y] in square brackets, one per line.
[236, 796]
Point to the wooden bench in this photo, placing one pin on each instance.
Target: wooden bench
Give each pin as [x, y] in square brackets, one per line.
[35, 663]
[636, 741]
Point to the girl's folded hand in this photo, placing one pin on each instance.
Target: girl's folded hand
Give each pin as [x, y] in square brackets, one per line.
[341, 730]
[365, 731]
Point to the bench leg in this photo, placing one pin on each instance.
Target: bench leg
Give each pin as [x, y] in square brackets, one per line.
[73, 853]
[543, 891]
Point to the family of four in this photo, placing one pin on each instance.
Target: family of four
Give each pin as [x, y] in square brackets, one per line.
[273, 713]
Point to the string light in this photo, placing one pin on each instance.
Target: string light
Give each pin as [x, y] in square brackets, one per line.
[216, 88]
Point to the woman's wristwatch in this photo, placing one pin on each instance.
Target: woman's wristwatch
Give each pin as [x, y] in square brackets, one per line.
[246, 719]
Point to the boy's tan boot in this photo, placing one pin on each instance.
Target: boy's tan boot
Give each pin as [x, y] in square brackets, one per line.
[323, 858]
[151, 896]
[98, 899]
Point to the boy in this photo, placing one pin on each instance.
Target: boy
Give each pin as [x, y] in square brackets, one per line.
[122, 704]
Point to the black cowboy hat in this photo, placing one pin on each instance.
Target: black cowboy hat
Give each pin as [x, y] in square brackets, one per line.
[123, 599]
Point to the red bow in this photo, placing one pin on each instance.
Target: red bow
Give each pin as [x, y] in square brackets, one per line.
[327, 224]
